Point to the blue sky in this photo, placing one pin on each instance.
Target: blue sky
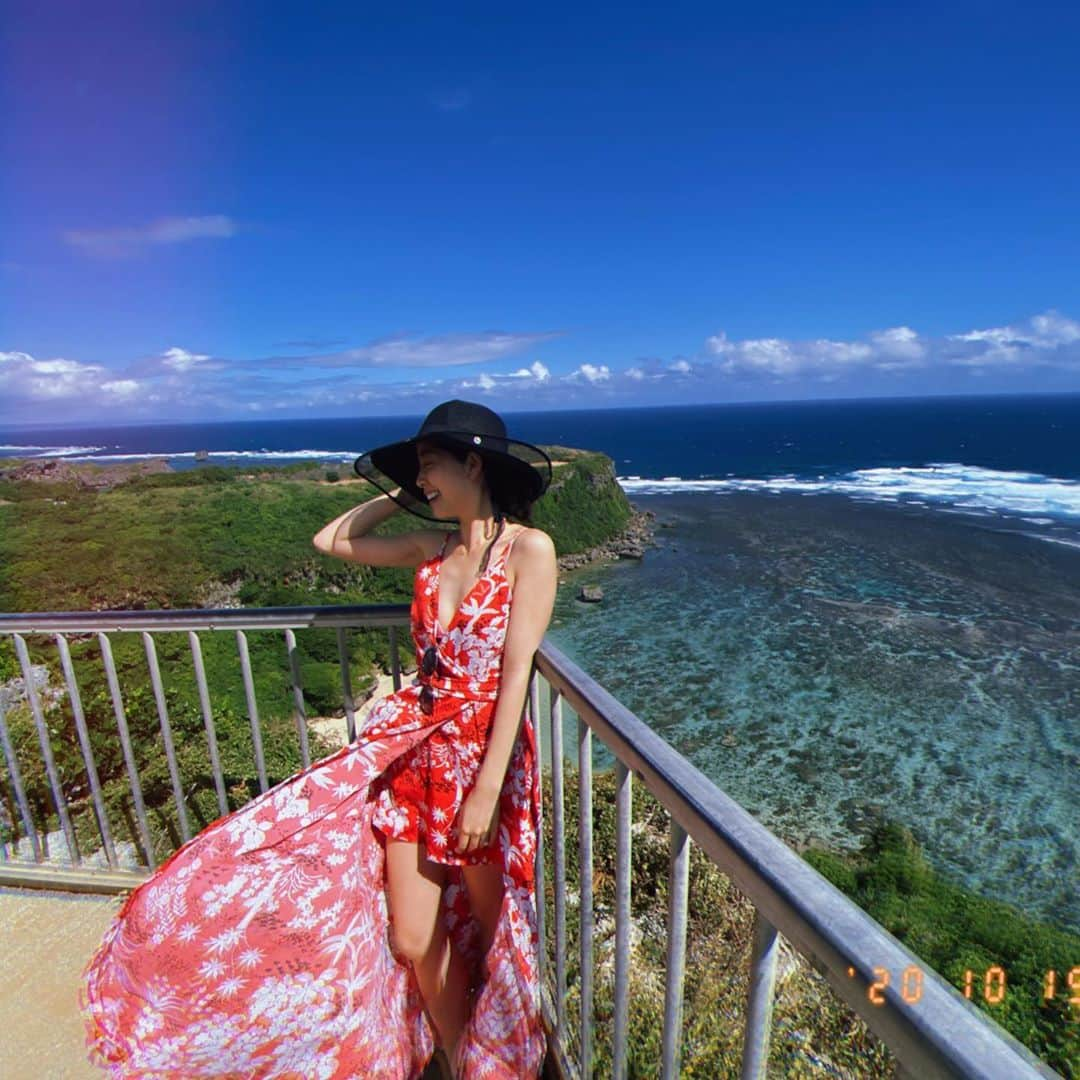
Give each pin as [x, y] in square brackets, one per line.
[282, 210]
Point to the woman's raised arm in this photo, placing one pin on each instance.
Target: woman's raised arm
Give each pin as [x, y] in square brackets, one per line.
[346, 537]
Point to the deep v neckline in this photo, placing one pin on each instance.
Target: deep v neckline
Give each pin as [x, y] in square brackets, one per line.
[468, 592]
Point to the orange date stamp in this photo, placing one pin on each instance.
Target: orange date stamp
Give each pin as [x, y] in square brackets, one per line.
[990, 985]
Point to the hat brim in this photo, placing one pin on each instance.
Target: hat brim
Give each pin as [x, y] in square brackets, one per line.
[522, 468]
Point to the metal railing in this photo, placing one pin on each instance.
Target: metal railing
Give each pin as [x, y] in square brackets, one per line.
[934, 1033]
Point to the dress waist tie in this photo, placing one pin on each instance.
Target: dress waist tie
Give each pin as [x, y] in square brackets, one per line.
[457, 686]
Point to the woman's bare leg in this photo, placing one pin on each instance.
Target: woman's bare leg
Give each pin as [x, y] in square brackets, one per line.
[414, 895]
[485, 886]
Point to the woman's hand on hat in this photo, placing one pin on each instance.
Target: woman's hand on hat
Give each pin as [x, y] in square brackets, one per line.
[406, 497]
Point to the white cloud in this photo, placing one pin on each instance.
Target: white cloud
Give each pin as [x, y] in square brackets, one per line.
[1042, 340]
[1049, 339]
[122, 242]
[61, 367]
[536, 371]
[840, 353]
[399, 351]
[121, 387]
[176, 378]
[185, 382]
[779, 357]
[718, 344]
[535, 375]
[754, 355]
[591, 373]
[1052, 328]
[23, 378]
[182, 360]
[175, 364]
[900, 342]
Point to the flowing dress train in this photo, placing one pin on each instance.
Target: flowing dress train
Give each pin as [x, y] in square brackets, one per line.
[260, 948]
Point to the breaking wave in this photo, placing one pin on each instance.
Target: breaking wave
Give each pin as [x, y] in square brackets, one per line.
[966, 488]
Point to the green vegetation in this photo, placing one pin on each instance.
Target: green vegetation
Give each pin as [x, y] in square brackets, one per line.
[584, 505]
[196, 539]
[814, 1033]
[956, 932]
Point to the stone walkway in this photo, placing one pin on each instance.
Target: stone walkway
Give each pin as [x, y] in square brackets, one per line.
[48, 937]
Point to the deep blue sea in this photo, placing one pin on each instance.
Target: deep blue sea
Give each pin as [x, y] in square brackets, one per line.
[853, 608]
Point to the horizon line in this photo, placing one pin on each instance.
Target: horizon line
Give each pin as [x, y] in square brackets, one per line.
[765, 402]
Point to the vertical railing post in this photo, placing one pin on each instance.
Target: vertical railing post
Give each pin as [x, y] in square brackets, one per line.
[346, 685]
[623, 810]
[395, 660]
[166, 734]
[128, 747]
[96, 793]
[298, 695]
[252, 708]
[585, 911]
[759, 1005]
[208, 720]
[678, 888]
[29, 828]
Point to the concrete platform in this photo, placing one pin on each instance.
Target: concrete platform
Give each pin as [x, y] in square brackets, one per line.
[48, 937]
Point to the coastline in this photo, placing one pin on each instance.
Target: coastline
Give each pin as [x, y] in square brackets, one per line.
[631, 543]
[83, 474]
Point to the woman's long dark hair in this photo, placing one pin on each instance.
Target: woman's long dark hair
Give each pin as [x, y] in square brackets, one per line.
[506, 500]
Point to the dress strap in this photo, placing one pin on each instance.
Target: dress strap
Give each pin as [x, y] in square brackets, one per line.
[502, 557]
[505, 554]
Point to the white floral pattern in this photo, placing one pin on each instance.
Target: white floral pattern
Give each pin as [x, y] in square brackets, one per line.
[260, 947]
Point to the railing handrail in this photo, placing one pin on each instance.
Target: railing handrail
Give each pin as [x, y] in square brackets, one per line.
[939, 1035]
[265, 618]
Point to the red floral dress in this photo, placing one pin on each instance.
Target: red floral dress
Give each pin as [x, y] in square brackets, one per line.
[260, 947]
[419, 796]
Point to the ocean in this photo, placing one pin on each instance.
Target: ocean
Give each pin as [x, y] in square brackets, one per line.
[854, 608]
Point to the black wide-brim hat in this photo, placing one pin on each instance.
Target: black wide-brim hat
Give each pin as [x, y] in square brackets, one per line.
[516, 471]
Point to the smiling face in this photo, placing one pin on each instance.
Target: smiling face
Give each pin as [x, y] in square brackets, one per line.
[449, 485]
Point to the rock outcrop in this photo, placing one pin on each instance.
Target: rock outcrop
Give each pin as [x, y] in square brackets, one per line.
[83, 475]
[629, 544]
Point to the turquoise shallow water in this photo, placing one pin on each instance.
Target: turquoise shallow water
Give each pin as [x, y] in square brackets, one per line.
[824, 661]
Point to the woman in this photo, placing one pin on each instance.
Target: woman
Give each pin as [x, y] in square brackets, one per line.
[381, 901]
